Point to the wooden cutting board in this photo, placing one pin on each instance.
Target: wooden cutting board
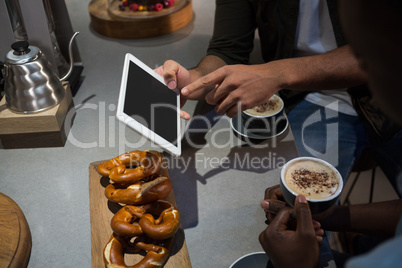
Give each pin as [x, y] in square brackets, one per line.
[15, 235]
[102, 211]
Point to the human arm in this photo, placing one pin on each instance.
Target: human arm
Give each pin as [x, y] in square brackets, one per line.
[335, 69]
[379, 218]
[232, 42]
[250, 85]
[280, 242]
[176, 76]
[274, 201]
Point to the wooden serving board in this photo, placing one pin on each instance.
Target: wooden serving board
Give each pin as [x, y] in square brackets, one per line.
[101, 213]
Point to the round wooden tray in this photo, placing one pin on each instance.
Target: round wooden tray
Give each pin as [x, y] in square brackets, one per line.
[15, 236]
[108, 20]
[115, 12]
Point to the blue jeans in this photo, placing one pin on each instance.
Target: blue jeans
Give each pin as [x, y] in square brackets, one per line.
[329, 135]
[340, 139]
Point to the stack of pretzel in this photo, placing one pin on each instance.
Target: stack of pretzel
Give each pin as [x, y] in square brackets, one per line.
[145, 223]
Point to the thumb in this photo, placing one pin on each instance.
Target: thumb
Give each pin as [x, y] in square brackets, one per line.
[303, 214]
[159, 70]
[184, 115]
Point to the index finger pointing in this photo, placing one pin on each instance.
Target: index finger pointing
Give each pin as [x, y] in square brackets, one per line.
[215, 77]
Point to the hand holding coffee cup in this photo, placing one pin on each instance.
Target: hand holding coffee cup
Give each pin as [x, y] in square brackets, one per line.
[274, 202]
[317, 180]
[265, 118]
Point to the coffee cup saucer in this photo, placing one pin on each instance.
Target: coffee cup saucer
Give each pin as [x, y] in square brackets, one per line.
[238, 126]
[252, 260]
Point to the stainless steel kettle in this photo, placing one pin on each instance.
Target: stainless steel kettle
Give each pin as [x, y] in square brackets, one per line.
[31, 84]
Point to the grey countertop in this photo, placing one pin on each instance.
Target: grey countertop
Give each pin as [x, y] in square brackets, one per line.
[219, 180]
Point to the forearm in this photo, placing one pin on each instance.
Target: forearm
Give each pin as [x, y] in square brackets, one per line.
[377, 218]
[333, 70]
[208, 64]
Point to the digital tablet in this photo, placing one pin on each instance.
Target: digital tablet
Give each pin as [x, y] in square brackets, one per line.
[148, 106]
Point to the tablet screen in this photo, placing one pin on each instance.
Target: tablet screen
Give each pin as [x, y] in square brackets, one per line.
[152, 101]
[146, 101]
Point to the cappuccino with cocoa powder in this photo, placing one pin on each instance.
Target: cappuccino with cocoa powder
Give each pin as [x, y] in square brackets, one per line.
[270, 107]
[312, 179]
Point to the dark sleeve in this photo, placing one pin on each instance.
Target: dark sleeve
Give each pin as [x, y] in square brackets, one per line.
[234, 29]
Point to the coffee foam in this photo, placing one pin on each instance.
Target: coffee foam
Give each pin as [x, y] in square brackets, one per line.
[312, 179]
[270, 107]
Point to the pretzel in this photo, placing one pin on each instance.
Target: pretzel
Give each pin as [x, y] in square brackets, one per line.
[124, 223]
[139, 193]
[158, 220]
[151, 226]
[156, 253]
[146, 163]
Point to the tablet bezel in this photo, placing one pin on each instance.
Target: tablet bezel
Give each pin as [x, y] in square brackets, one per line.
[134, 124]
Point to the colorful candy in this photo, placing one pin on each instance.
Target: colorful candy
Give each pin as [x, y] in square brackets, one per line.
[139, 5]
